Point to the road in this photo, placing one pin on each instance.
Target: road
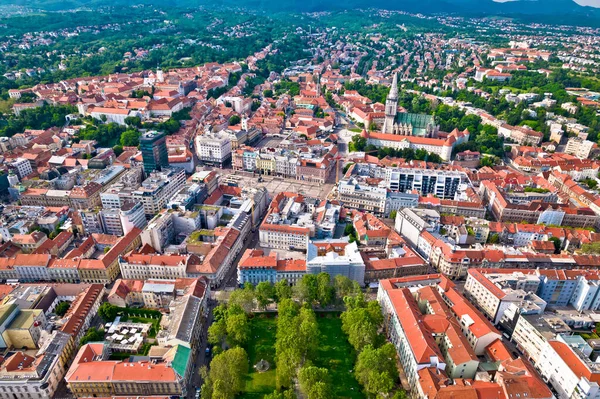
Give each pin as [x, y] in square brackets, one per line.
[230, 280]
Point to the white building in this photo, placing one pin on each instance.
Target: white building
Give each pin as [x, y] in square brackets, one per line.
[146, 267]
[22, 167]
[160, 232]
[358, 195]
[158, 188]
[349, 264]
[213, 149]
[532, 332]
[495, 293]
[132, 215]
[411, 223]
[566, 365]
[579, 147]
[289, 222]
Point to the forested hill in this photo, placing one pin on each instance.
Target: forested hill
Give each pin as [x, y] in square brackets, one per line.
[545, 11]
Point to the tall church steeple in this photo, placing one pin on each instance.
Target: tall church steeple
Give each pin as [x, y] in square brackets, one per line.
[391, 107]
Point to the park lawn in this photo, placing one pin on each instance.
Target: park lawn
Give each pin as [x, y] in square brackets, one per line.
[335, 354]
[338, 356]
[262, 346]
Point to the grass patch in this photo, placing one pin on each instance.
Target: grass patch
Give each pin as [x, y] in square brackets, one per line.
[262, 346]
[335, 353]
[338, 356]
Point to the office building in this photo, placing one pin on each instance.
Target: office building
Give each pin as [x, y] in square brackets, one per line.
[154, 151]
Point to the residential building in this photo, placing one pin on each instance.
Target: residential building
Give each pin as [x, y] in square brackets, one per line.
[532, 332]
[255, 267]
[292, 219]
[158, 188]
[160, 231]
[92, 373]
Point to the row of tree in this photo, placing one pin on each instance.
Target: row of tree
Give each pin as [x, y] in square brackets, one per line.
[376, 369]
[311, 289]
[296, 340]
[230, 329]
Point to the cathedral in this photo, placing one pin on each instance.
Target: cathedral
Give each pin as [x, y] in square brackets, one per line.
[406, 124]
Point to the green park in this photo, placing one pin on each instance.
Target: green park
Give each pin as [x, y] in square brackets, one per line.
[319, 339]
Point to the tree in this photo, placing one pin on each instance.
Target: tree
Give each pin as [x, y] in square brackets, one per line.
[130, 138]
[62, 308]
[306, 289]
[268, 93]
[281, 395]
[243, 298]
[107, 311]
[376, 369]
[226, 376]
[557, 244]
[93, 334]
[343, 286]
[309, 376]
[494, 239]
[361, 321]
[282, 290]
[349, 229]
[591, 248]
[321, 390]
[264, 293]
[238, 329]
[393, 214]
[325, 291]
[234, 120]
[296, 340]
[217, 332]
[133, 121]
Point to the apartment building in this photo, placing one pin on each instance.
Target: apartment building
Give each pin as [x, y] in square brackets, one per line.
[255, 267]
[348, 263]
[495, 293]
[160, 231]
[155, 294]
[292, 219]
[158, 188]
[411, 223]
[137, 266]
[532, 332]
[565, 363]
[92, 374]
[357, 194]
[443, 184]
[35, 376]
[440, 337]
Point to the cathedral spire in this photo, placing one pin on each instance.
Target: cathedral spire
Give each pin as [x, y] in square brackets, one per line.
[394, 90]
[391, 107]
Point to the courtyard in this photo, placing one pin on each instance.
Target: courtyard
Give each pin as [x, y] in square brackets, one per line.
[335, 354]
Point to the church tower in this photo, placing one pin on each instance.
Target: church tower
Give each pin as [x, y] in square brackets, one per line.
[318, 88]
[391, 107]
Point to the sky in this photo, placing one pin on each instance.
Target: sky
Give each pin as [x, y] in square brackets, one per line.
[593, 3]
